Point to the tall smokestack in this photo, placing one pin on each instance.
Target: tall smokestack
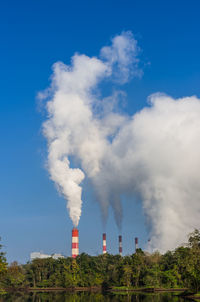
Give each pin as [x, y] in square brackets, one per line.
[75, 243]
[136, 243]
[104, 243]
[120, 245]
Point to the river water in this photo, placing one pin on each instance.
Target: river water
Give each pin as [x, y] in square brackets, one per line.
[91, 297]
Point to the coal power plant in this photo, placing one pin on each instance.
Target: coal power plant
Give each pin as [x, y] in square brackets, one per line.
[136, 243]
[104, 243]
[75, 243]
[120, 245]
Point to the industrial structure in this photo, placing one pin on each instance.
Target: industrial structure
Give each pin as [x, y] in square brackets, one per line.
[38, 255]
[75, 247]
[75, 243]
[136, 243]
[120, 245]
[104, 243]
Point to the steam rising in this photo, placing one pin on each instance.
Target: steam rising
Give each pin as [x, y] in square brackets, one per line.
[153, 154]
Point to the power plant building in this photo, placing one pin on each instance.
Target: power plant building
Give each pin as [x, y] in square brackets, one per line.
[136, 243]
[120, 245]
[75, 243]
[104, 243]
[38, 255]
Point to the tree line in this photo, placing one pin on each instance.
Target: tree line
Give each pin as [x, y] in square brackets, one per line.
[174, 269]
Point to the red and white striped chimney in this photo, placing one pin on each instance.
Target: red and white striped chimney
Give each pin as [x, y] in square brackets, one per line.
[75, 243]
[120, 245]
[104, 243]
[136, 243]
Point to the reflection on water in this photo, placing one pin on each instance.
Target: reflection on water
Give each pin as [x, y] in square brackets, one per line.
[90, 297]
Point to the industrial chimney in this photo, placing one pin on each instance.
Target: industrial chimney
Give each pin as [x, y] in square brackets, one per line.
[104, 243]
[136, 243]
[120, 245]
[75, 243]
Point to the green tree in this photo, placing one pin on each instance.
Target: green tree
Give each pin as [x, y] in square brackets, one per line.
[127, 275]
[15, 276]
[193, 270]
[3, 268]
[138, 266]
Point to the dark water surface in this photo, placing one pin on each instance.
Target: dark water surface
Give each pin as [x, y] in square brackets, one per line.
[91, 297]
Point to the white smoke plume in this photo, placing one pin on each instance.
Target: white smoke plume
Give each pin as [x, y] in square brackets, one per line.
[153, 154]
[122, 56]
[72, 129]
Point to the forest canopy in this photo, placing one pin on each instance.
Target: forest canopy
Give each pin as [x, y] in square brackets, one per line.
[174, 269]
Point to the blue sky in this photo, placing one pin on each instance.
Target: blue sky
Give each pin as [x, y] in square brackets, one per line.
[36, 34]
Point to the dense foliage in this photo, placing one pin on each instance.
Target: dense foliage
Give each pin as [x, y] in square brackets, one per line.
[178, 268]
[3, 268]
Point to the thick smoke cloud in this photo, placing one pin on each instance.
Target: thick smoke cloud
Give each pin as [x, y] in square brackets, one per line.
[153, 155]
[72, 130]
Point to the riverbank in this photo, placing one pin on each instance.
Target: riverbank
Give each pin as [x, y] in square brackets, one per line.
[72, 289]
[146, 289]
[190, 295]
[197, 296]
[94, 289]
[194, 297]
[53, 289]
